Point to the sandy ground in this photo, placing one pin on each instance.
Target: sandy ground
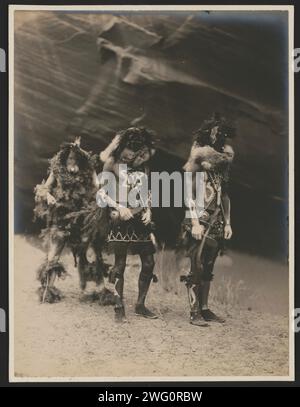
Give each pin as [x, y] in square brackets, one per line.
[77, 338]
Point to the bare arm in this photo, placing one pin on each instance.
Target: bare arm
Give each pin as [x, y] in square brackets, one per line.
[226, 207]
[43, 191]
[105, 154]
[50, 181]
[191, 192]
[191, 200]
[96, 182]
[197, 229]
[102, 181]
[104, 198]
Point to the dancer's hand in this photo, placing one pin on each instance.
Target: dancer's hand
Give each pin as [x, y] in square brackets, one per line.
[125, 213]
[105, 154]
[146, 218]
[227, 232]
[50, 199]
[198, 231]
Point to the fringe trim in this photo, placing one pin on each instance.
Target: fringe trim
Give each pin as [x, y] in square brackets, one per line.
[41, 191]
[93, 271]
[51, 296]
[104, 297]
[47, 267]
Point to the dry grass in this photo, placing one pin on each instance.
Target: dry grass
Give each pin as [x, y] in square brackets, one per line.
[240, 281]
[75, 338]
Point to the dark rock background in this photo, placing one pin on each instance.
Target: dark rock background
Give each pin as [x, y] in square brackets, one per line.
[95, 73]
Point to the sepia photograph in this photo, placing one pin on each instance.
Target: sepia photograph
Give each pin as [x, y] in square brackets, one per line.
[151, 193]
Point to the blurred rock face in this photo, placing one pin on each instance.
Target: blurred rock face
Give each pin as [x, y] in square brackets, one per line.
[93, 74]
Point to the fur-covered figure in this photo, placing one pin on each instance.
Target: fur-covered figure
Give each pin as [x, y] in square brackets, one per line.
[206, 227]
[206, 158]
[70, 186]
[51, 293]
[93, 222]
[210, 150]
[64, 201]
[215, 132]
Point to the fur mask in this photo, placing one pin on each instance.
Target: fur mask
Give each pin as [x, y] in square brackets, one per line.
[208, 159]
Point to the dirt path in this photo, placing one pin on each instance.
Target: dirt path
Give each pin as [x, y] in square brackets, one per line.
[76, 338]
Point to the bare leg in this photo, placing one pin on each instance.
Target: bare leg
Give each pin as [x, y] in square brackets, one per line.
[55, 248]
[119, 269]
[52, 278]
[194, 287]
[209, 257]
[145, 279]
[204, 295]
[48, 271]
[117, 278]
[82, 262]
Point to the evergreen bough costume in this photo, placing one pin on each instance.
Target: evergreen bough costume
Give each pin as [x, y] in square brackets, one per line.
[67, 203]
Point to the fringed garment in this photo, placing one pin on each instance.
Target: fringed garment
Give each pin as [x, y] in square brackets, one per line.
[133, 234]
[74, 219]
[216, 167]
[72, 192]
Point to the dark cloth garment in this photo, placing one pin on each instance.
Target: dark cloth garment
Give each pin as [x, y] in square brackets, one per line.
[204, 271]
[215, 235]
[132, 235]
[140, 248]
[203, 254]
[211, 218]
